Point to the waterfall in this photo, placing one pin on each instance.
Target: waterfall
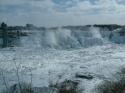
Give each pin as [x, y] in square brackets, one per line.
[64, 38]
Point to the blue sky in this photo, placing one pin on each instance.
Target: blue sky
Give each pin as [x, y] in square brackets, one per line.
[62, 12]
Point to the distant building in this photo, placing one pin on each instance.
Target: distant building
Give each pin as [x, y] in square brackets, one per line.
[30, 26]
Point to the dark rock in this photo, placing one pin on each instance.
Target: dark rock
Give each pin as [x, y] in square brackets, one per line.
[84, 76]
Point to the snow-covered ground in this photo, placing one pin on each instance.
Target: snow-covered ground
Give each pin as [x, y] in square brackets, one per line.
[101, 61]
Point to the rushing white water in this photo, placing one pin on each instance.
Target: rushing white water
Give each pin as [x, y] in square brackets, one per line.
[64, 38]
[95, 32]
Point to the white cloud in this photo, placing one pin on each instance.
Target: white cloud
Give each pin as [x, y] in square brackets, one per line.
[100, 7]
[44, 12]
[11, 2]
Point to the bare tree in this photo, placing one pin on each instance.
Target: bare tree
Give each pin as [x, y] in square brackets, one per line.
[17, 73]
[4, 79]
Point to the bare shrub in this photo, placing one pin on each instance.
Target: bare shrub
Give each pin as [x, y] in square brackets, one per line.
[27, 88]
[4, 79]
[116, 86]
[112, 87]
[67, 86]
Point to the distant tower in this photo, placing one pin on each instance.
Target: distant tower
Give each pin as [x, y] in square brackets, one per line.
[4, 34]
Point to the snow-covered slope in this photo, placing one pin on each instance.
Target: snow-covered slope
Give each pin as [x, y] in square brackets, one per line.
[102, 60]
